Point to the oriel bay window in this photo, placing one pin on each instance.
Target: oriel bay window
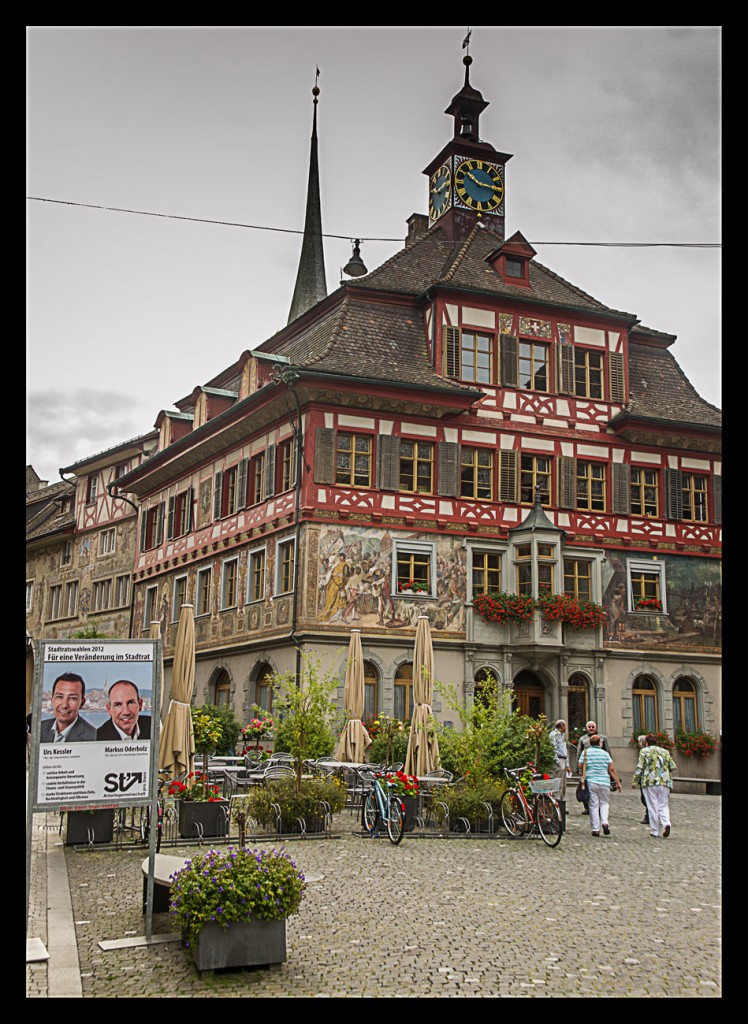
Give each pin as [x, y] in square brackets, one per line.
[353, 459]
[416, 466]
[476, 473]
[544, 565]
[523, 568]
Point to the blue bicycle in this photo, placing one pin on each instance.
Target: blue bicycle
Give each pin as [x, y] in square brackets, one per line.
[382, 807]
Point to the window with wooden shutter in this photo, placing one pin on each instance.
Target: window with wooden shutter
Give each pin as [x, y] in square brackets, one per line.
[143, 529]
[567, 482]
[565, 371]
[451, 358]
[509, 361]
[269, 486]
[617, 382]
[388, 462]
[621, 488]
[160, 523]
[673, 494]
[217, 495]
[324, 455]
[508, 476]
[717, 497]
[448, 454]
[170, 519]
[241, 485]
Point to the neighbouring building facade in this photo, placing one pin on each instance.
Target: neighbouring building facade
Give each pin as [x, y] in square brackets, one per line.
[462, 419]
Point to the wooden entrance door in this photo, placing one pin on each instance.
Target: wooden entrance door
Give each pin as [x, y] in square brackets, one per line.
[529, 695]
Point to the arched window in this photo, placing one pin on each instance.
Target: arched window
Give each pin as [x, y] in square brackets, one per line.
[486, 684]
[404, 692]
[371, 690]
[222, 687]
[685, 712]
[644, 705]
[529, 696]
[264, 688]
[578, 702]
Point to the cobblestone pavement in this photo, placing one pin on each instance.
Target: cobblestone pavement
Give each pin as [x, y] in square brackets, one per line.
[439, 917]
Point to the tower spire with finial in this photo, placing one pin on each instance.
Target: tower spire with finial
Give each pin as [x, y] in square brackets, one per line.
[311, 285]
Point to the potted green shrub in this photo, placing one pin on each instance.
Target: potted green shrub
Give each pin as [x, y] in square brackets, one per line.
[231, 906]
[201, 811]
[475, 802]
[95, 826]
[407, 788]
[280, 806]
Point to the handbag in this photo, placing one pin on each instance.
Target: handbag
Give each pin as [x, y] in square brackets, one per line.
[581, 793]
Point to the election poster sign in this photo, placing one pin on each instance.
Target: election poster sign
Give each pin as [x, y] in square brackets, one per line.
[94, 723]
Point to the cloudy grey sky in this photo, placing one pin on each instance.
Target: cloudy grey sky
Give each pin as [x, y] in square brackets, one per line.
[615, 132]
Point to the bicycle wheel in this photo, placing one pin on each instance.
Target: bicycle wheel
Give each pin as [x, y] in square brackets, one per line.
[145, 824]
[370, 813]
[548, 818]
[395, 819]
[513, 814]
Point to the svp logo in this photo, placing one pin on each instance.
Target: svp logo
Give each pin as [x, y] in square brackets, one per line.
[123, 782]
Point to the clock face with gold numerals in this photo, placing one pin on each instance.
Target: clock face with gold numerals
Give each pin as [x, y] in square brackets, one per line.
[479, 185]
[440, 192]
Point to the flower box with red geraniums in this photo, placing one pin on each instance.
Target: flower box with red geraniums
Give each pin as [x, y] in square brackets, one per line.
[501, 606]
[648, 604]
[412, 587]
[571, 611]
[401, 784]
[195, 788]
[696, 743]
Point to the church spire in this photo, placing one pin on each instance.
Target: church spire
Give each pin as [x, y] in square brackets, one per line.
[311, 285]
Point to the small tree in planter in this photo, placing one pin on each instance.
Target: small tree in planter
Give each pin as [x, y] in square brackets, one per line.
[231, 727]
[389, 741]
[309, 717]
[208, 732]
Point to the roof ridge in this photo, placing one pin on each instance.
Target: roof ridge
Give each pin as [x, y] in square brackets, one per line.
[407, 247]
[461, 253]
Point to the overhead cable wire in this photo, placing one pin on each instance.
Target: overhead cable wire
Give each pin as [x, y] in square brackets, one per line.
[325, 234]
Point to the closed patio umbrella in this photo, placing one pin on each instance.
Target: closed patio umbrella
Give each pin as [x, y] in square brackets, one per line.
[354, 739]
[423, 749]
[154, 633]
[29, 673]
[177, 748]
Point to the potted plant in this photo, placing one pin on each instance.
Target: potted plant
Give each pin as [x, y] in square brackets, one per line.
[259, 726]
[696, 743]
[571, 611]
[412, 587]
[475, 801]
[648, 604]
[407, 788]
[200, 808]
[208, 733]
[231, 907]
[501, 606]
[281, 807]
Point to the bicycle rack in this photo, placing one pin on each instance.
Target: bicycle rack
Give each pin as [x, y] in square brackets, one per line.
[490, 816]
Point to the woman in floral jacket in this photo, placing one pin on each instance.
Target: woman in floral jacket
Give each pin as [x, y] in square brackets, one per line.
[654, 774]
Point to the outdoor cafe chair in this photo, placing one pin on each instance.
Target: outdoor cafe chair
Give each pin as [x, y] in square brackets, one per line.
[278, 771]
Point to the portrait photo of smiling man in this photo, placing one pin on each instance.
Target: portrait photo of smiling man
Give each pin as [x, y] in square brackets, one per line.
[124, 705]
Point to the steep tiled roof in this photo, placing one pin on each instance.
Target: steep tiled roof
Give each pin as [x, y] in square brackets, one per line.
[431, 259]
[42, 510]
[372, 340]
[660, 389]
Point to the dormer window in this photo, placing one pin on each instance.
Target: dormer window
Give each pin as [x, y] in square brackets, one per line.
[515, 267]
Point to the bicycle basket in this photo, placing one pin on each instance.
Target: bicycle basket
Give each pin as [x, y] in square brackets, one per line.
[545, 785]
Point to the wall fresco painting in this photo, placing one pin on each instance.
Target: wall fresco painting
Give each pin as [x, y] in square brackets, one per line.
[355, 581]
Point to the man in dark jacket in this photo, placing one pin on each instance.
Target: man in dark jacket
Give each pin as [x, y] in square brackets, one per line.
[584, 742]
[124, 705]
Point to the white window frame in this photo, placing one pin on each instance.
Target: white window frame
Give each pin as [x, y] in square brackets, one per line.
[282, 545]
[149, 607]
[176, 603]
[108, 541]
[70, 600]
[419, 548]
[101, 595]
[29, 596]
[224, 566]
[645, 565]
[120, 600]
[253, 556]
[199, 610]
[54, 602]
[66, 553]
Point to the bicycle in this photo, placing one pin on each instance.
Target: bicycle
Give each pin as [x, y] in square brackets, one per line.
[382, 807]
[522, 817]
[145, 817]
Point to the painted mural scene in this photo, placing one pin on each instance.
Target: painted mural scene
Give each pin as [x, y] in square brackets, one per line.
[428, 563]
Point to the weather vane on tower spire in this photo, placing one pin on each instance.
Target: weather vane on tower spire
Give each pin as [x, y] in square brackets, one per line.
[466, 40]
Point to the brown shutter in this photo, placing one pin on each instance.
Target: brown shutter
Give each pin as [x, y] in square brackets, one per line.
[143, 528]
[170, 518]
[509, 361]
[160, 523]
[565, 372]
[388, 462]
[621, 488]
[449, 469]
[268, 488]
[617, 382]
[451, 366]
[324, 455]
[567, 481]
[508, 476]
[189, 499]
[673, 494]
[218, 496]
[717, 499]
[241, 484]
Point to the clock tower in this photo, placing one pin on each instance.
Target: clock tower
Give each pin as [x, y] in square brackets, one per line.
[467, 178]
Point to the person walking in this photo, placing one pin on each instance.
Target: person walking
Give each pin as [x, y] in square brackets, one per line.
[560, 753]
[654, 773]
[645, 820]
[584, 742]
[598, 769]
